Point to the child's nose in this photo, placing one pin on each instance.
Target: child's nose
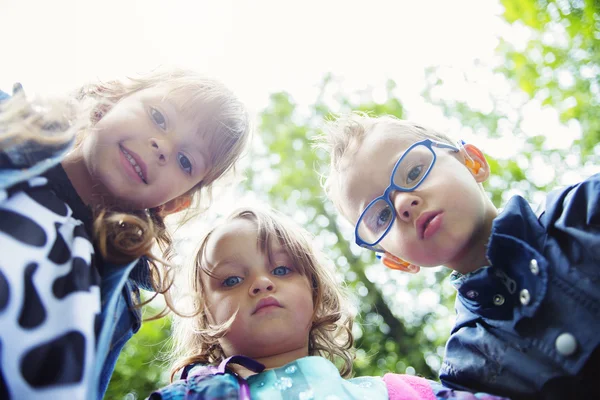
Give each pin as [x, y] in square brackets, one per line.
[161, 149]
[406, 205]
[262, 284]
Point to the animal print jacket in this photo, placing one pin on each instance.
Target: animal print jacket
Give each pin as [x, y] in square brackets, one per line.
[64, 314]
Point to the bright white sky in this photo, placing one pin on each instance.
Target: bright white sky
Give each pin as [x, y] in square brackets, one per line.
[256, 47]
[261, 46]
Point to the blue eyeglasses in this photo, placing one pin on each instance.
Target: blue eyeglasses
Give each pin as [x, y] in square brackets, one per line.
[409, 172]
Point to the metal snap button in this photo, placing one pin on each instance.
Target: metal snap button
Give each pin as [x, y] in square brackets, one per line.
[498, 299]
[566, 344]
[525, 297]
[533, 267]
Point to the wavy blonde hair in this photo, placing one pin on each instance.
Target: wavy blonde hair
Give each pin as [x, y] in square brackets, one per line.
[195, 340]
[123, 236]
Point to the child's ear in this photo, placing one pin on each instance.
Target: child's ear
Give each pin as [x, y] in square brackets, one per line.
[176, 205]
[393, 262]
[476, 163]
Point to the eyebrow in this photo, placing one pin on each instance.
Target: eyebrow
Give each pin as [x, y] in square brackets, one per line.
[279, 251]
[225, 262]
[171, 107]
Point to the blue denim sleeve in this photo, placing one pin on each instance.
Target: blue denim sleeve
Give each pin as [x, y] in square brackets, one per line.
[479, 360]
[441, 392]
[29, 159]
[3, 96]
[4, 160]
[140, 275]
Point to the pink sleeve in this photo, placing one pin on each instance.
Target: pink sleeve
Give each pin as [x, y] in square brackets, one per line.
[408, 387]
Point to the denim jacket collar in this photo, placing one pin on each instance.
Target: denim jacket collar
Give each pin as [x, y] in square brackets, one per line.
[491, 292]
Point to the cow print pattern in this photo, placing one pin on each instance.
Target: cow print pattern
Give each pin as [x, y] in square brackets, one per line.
[49, 297]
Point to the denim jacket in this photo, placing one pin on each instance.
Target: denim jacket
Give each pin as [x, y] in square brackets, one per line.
[533, 315]
[121, 318]
[119, 285]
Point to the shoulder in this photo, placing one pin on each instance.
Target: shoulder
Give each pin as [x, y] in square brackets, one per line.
[572, 198]
[48, 138]
[3, 96]
[572, 214]
[575, 206]
[572, 220]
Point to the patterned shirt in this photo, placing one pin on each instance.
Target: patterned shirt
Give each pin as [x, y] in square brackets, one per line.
[308, 378]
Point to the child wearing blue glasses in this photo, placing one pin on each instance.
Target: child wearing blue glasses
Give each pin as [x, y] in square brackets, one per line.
[528, 286]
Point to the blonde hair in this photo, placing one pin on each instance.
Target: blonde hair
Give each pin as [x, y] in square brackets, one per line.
[123, 236]
[196, 341]
[344, 134]
[51, 123]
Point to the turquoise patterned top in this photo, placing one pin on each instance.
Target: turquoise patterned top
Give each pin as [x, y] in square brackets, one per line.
[313, 378]
[308, 378]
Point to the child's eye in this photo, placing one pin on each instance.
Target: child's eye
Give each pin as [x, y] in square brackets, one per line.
[281, 271]
[232, 281]
[383, 218]
[184, 163]
[414, 174]
[158, 118]
[377, 217]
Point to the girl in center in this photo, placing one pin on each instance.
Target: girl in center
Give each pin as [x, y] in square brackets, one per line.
[271, 322]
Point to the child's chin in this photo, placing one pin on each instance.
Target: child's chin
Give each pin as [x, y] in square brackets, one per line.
[430, 262]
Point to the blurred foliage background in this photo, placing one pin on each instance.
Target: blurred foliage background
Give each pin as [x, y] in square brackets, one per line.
[404, 321]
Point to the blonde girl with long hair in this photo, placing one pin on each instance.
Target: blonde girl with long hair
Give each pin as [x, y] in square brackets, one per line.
[85, 186]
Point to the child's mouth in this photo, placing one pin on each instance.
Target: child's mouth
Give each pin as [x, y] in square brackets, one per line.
[137, 168]
[428, 224]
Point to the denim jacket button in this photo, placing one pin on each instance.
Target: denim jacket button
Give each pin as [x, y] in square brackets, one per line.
[524, 297]
[566, 344]
[498, 300]
[533, 267]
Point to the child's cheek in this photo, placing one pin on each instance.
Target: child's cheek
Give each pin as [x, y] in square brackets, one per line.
[394, 245]
[218, 310]
[225, 310]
